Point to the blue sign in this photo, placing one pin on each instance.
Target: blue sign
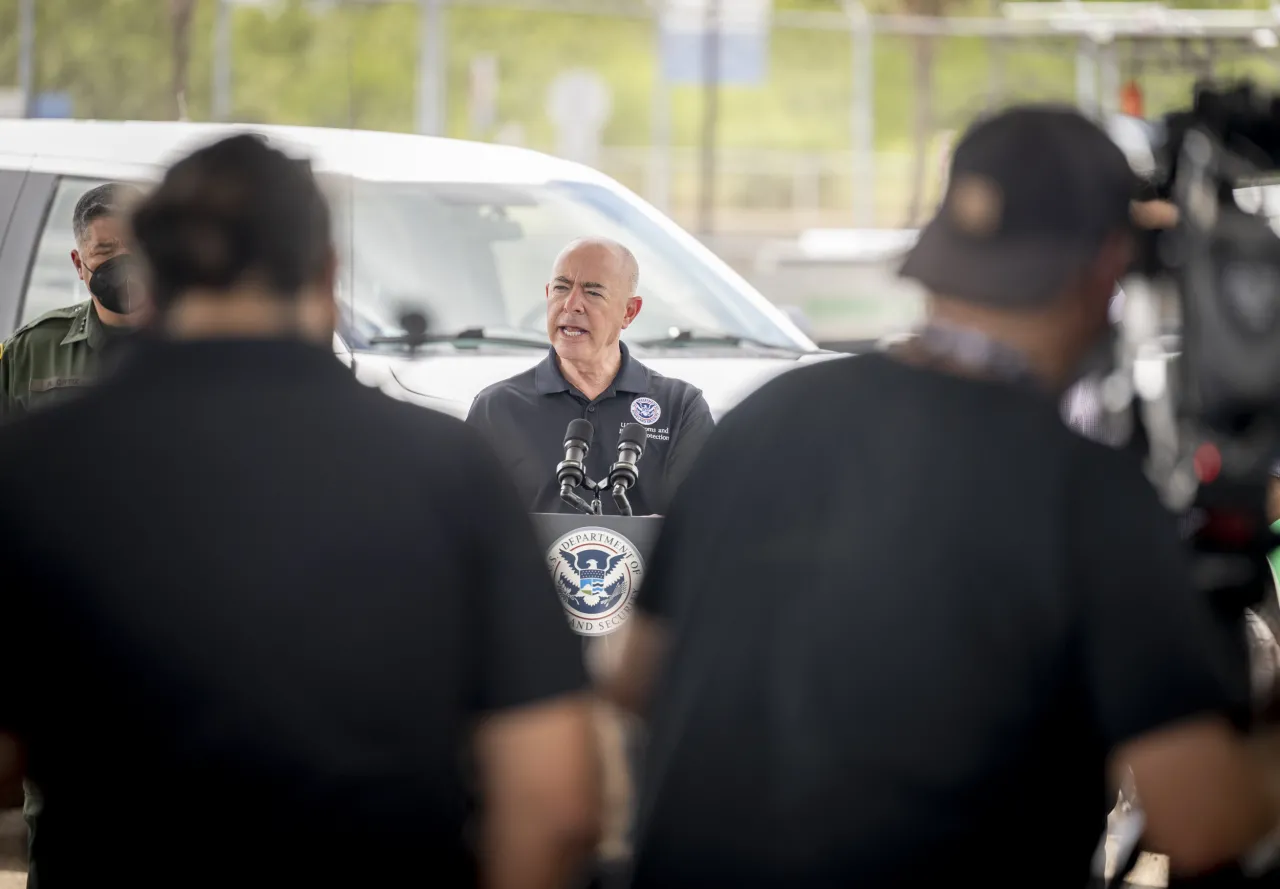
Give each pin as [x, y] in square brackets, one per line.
[51, 105]
[743, 57]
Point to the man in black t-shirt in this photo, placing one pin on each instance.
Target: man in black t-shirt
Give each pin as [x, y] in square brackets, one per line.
[294, 612]
[909, 651]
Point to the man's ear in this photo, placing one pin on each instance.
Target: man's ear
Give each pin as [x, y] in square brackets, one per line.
[634, 304]
[78, 263]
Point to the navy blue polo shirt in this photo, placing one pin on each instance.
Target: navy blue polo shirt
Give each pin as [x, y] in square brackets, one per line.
[525, 418]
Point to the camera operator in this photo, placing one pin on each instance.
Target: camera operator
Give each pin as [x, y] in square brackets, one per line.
[971, 610]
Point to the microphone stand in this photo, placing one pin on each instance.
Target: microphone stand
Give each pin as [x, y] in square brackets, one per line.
[572, 474]
[571, 497]
[596, 507]
[620, 499]
[622, 475]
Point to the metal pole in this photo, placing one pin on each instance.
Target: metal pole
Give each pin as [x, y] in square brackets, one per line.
[998, 47]
[431, 68]
[862, 115]
[1087, 76]
[26, 54]
[710, 115]
[660, 149]
[1108, 78]
[222, 62]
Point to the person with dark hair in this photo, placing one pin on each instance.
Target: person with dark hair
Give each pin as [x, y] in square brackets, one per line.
[937, 662]
[295, 608]
[60, 351]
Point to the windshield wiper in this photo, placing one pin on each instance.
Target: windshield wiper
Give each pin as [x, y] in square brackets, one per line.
[478, 335]
[681, 336]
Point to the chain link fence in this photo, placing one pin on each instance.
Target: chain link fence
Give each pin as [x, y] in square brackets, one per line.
[845, 127]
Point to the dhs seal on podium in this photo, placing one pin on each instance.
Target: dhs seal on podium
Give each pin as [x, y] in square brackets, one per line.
[596, 572]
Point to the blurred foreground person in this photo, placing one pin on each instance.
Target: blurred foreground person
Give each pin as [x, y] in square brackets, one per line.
[298, 621]
[60, 352]
[908, 652]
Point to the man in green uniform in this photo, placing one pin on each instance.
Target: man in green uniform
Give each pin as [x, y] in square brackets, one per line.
[54, 355]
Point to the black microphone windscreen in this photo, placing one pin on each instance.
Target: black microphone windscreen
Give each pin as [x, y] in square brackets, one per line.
[632, 433]
[580, 430]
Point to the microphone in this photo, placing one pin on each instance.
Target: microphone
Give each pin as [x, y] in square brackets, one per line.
[572, 471]
[623, 474]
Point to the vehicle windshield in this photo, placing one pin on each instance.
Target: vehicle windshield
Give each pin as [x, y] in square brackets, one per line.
[478, 256]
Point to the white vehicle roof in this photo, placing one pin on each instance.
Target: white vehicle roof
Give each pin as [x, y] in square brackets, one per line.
[141, 149]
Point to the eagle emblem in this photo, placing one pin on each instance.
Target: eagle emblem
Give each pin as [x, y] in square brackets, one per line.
[595, 572]
[646, 411]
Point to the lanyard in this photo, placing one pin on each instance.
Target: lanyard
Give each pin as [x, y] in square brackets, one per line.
[974, 351]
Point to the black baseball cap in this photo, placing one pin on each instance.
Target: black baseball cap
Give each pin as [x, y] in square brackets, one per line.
[1031, 195]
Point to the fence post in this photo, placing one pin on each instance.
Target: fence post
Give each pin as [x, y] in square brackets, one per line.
[659, 186]
[27, 55]
[431, 68]
[862, 113]
[221, 105]
[1087, 75]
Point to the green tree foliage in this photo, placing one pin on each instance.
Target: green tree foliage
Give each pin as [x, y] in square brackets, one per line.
[297, 62]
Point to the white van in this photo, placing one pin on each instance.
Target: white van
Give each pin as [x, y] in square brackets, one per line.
[463, 233]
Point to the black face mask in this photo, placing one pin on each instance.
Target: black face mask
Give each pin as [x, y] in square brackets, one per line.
[115, 284]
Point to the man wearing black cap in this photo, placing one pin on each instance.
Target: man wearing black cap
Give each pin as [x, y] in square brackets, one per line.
[922, 666]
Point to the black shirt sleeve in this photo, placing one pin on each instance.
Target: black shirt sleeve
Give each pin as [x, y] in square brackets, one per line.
[477, 414]
[528, 652]
[696, 425]
[1153, 649]
[658, 593]
[690, 517]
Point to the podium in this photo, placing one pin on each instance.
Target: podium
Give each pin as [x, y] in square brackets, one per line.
[597, 563]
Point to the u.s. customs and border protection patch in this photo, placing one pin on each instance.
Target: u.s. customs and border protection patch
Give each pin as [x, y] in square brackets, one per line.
[596, 572]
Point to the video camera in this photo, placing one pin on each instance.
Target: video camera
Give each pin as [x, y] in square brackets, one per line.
[1198, 349]
[1197, 359]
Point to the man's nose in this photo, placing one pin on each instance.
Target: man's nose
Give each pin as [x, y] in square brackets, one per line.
[576, 300]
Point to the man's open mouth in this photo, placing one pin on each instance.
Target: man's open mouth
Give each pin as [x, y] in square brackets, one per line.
[572, 331]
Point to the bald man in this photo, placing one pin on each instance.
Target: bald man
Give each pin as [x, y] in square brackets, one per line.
[589, 374]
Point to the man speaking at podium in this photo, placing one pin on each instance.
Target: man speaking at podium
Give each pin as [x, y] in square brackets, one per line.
[589, 374]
